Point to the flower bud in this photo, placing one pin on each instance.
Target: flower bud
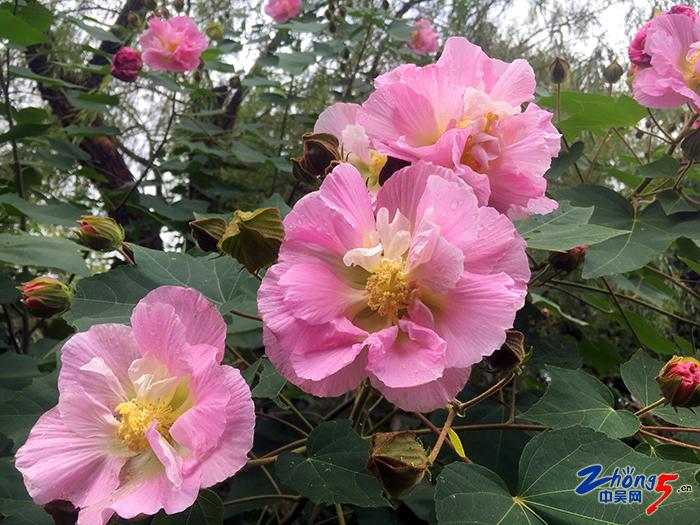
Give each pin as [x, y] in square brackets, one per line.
[208, 231]
[691, 145]
[253, 237]
[511, 354]
[215, 31]
[126, 64]
[320, 152]
[100, 233]
[179, 5]
[613, 72]
[45, 296]
[679, 381]
[398, 460]
[569, 260]
[559, 70]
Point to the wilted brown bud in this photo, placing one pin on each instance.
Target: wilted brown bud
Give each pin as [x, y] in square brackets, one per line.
[253, 237]
[691, 145]
[100, 233]
[45, 296]
[511, 354]
[179, 5]
[559, 70]
[679, 381]
[398, 460]
[208, 231]
[613, 72]
[569, 260]
[321, 150]
[215, 31]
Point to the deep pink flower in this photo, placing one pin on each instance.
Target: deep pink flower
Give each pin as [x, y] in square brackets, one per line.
[173, 45]
[424, 40]
[282, 10]
[126, 64]
[146, 415]
[410, 290]
[464, 112]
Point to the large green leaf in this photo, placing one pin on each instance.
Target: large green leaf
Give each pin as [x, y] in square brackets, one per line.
[52, 213]
[43, 252]
[296, 63]
[564, 228]
[15, 504]
[109, 297]
[472, 494]
[21, 407]
[17, 31]
[650, 231]
[575, 397]
[639, 375]
[333, 471]
[206, 510]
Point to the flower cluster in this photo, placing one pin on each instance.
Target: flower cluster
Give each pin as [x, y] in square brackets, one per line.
[664, 56]
[146, 414]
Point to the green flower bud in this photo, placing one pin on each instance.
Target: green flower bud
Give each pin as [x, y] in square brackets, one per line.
[321, 152]
[511, 354]
[215, 31]
[559, 70]
[679, 381]
[398, 460]
[45, 296]
[208, 231]
[103, 234]
[569, 260]
[253, 237]
[613, 72]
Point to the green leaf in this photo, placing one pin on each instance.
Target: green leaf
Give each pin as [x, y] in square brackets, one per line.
[54, 212]
[565, 160]
[563, 229]
[21, 407]
[270, 383]
[593, 111]
[19, 32]
[247, 154]
[639, 375]
[207, 510]
[297, 62]
[43, 252]
[17, 507]
[664, 167]
[647, 332]
[91, 131]
[109, 297]
[92, 101]
[333, 471]
[540, 299]
[673, 202]
[23, 131]
[575, 397]
[16, 370]
[650, 231]
[472, 494]
[94, 31]
[23, 72]
[400, 30]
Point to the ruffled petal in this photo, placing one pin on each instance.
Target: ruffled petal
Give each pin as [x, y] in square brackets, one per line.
[158, 330]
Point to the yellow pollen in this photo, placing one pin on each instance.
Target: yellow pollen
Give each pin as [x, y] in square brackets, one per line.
[136, 416]
[376, 163]
[387, 288]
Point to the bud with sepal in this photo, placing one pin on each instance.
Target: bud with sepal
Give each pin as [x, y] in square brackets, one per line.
[511, 354]
[253, 237]
[559, 70]
[569, 260]
[398, 460]
[103, 234]
[321, 153]
[679, 381]
[613, 72]
[45, 296]
[207, 232]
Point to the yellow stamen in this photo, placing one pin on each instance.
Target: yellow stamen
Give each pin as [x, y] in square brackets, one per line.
[388, 290]
[136, 416]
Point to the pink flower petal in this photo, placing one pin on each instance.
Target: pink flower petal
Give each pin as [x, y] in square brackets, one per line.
[516, 85]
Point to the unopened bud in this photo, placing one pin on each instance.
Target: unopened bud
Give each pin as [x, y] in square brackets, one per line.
[691, 145]
[207, 232]
[511, 354]
[45, 296]
[100, 233]
[133, 19]
[215, 31]
[613, 72]
[126, 64]
[253, 238]
[179, 5]
[569, 260]
[679, 381]
[321, 151]
[398, 460]
[559, 70]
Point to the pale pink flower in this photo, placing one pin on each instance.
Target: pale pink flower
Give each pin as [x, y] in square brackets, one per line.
[173, 45]
[146, 415]
[464, 112]
[410, 290]
[672, 76]
[424, 40]
[636, 52]
[282, 10]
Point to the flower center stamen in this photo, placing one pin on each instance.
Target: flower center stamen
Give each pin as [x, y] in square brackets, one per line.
[136, 416]
[388, 290]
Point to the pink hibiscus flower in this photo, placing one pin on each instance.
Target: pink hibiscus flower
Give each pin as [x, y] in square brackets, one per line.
[173, 45]
[464, 112]
[424, 40]
[636, 52]
[670, 76]
[410, 290]
[282, 10]
[146, 415]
